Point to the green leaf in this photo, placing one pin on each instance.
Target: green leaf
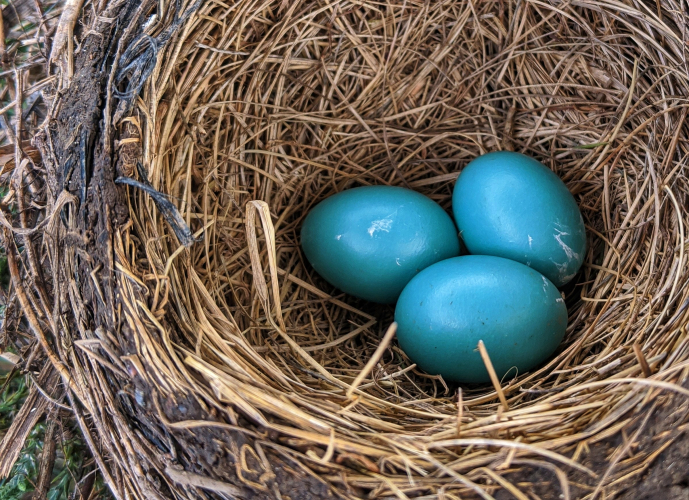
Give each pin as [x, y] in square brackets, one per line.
[23, 484]
[4, 272]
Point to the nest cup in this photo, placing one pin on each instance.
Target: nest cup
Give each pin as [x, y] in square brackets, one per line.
[250, 375]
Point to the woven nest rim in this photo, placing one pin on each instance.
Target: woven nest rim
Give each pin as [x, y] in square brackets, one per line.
[248, 117]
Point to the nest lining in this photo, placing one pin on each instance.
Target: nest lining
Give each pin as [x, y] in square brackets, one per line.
[256, 112]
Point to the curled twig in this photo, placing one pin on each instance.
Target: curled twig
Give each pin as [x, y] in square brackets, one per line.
[167, 209]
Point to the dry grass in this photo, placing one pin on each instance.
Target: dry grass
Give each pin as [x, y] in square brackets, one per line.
[257, 111]
[27, 27]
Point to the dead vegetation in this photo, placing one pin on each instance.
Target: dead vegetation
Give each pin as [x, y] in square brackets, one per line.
[229, 358]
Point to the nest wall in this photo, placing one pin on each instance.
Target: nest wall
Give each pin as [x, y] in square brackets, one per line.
[234, 355]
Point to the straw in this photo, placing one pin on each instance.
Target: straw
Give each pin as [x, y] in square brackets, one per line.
[251, 114]
[377, 354]
[491, 373]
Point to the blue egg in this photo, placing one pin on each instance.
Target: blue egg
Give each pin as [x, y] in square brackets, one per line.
[448, 307]
[370, 241]
[509, 205]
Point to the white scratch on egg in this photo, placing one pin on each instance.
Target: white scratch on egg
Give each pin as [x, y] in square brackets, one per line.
[559, 299]
[380, 225]
[530, 241]
[545, 284]
[571, 254]
[562, 271]
[397, 260]
[338, 237]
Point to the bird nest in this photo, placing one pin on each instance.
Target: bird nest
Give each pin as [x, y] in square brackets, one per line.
[205, 357]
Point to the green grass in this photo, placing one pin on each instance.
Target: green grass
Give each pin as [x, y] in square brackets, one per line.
[70, 464]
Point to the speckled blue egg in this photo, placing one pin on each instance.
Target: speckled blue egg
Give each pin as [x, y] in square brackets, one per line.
[509, 205]
[370, 241]
[448, 307]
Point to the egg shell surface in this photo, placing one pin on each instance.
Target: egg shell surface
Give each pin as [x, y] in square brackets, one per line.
[370, 241]
[509, 205]
[448, 307]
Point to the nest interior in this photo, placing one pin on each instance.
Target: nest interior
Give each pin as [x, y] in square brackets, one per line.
[232, 355]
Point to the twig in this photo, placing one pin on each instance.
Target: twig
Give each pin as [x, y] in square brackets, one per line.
[24, 421]
[167, 210]
[3, 46]
[19, 123]
[63, 34]
[203, 482]
[642, 360]
[41, 26]
[44, 393]
[45, 471]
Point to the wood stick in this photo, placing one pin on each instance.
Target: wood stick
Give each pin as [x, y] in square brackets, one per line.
[45, 471]
[28, 416]
[642, 360]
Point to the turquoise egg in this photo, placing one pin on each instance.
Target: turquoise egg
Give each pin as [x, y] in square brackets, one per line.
[448, 307]
[370, 241]
[509, 205]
